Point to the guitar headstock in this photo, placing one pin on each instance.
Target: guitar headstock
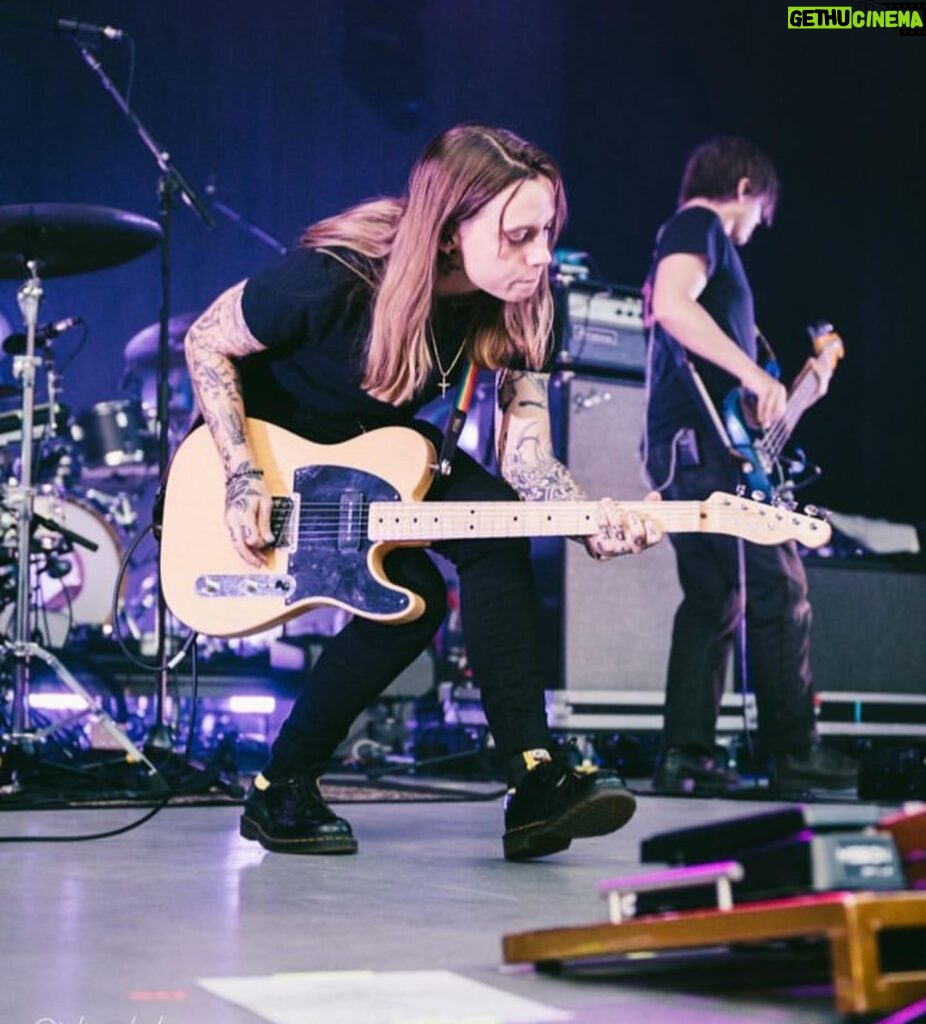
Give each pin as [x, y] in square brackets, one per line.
[761, 522]
[827, 343]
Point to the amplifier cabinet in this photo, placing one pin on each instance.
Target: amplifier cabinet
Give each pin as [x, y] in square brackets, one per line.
[603, 332]
[616, 615]
[868, 632]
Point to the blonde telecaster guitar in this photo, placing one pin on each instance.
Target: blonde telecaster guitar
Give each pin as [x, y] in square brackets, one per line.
[339, 509]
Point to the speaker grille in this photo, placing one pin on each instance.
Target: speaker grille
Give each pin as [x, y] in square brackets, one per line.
[617, 615]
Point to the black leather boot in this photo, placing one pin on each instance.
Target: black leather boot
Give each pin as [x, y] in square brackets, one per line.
[555, 803]
[291, 817]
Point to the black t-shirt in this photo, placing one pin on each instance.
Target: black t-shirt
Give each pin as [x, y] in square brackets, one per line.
[313, 315]
[727, 297]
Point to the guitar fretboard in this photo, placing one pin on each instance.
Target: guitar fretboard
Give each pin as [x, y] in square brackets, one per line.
[451, 520]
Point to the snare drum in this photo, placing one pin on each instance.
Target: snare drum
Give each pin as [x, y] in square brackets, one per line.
[114, 438]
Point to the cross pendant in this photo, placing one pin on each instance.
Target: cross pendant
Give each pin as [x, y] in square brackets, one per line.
[444, 386]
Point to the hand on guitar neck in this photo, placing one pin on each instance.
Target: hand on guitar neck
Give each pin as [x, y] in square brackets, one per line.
[760, 424]
[768, 397]
[822, 367]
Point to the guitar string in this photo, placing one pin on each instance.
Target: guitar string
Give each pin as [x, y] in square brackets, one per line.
[778, 433]
[313, 528]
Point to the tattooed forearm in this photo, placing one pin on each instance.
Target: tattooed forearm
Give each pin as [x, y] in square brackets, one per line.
[214, 341]
[548, 480]
[234, 427]
[525, 446]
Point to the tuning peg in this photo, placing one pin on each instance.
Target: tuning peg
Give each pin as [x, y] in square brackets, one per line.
[758, 495]
[811, 510]
[741, 490]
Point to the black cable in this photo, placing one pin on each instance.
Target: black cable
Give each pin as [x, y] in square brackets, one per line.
[146, 666]
[87, 837]
[173, 792]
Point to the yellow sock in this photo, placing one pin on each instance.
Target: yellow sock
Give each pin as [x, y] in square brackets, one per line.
[534, 757]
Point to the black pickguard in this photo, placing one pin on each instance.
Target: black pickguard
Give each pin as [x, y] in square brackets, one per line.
[330, 559]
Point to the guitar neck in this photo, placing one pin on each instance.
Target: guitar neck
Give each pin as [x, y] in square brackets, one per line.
[800, 398]
[803, 392]
[453, 520]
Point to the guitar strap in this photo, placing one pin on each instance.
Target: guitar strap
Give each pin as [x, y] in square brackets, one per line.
[695, 385]
[710, 410]
[457, 418]
[771, 364]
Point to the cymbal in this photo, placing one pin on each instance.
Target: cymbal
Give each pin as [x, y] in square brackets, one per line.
[70, 238]
[142, 350]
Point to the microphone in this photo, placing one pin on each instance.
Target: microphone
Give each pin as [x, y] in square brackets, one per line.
[15, 344]
[85, 28]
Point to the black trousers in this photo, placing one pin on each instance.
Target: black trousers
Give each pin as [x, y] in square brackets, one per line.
[778, 619]
[500, 630]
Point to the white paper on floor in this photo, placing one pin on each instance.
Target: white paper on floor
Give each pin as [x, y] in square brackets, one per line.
[388, 997]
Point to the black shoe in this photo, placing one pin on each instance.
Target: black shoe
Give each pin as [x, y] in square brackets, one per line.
[555, 803]
[815, 767]
[291, 817]
[686, 771]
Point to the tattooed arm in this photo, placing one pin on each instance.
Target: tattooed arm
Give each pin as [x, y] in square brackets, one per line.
[524, 445]
[213, 343]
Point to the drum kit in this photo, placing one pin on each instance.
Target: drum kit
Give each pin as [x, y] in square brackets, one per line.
[73, 485]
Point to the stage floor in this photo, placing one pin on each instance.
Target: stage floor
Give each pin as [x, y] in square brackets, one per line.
[129, 929]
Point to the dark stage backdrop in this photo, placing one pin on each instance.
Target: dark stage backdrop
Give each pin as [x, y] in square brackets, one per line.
[295, 109]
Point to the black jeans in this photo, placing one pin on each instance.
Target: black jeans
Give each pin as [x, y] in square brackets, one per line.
[778, 618]
[500, 630]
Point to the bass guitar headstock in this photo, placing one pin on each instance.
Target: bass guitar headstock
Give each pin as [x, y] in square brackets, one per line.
[826, 343]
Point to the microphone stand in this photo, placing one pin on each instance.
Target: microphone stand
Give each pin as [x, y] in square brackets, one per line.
[241, 222]
[171, 184]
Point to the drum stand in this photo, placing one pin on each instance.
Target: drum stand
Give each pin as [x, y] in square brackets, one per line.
[20, 739]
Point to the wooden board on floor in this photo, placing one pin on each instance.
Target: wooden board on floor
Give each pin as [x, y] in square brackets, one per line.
[860, 928]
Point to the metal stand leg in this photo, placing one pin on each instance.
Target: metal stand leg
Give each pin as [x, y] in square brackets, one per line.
[94, 708]
[21, 497]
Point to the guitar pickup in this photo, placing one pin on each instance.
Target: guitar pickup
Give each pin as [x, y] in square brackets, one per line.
[244, 585]
[282, 517]
[351, 509]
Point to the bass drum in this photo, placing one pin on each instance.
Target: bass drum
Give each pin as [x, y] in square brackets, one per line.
[77, 594]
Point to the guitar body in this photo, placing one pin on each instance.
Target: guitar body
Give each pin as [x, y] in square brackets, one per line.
[759, 472]
[209, 588]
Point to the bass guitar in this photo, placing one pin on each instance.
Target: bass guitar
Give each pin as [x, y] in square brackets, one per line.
[338, 510]
[761, 450]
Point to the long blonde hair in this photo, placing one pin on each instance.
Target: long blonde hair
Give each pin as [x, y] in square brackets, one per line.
[400, 238]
